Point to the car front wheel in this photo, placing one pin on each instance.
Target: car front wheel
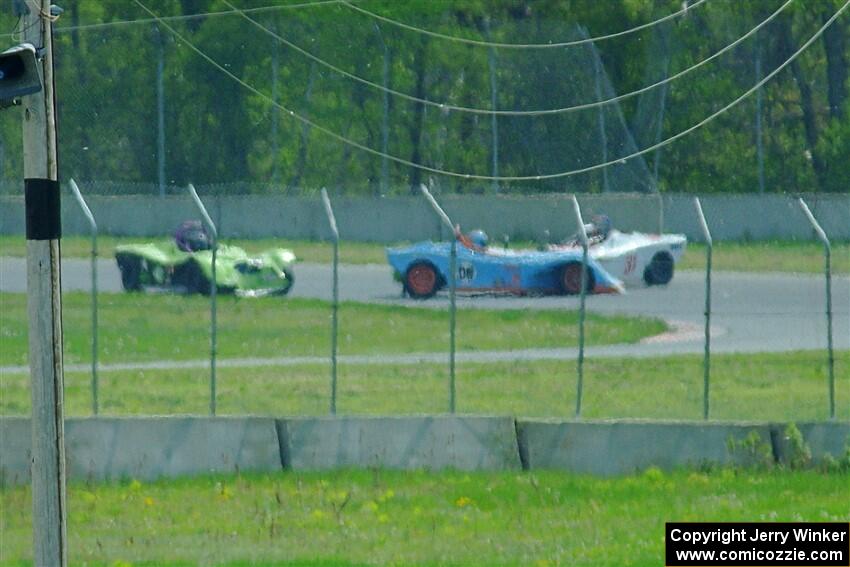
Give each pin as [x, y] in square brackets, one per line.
[190, 276]
[660, 269]
[569, 279]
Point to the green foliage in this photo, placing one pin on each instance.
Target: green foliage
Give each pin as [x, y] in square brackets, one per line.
[218, 132]
[751, 452]
[798, 455]
[839, 465]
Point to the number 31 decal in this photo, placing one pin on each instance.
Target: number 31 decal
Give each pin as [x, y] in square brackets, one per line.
[631, 262]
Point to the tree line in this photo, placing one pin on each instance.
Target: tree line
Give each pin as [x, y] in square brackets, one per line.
[139, 106]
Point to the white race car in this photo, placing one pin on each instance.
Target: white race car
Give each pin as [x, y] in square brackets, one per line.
[633, 257]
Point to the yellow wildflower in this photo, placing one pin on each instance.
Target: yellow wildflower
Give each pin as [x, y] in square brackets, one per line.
[463, 501]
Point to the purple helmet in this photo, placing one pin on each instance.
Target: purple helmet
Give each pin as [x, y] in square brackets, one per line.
[191, 236]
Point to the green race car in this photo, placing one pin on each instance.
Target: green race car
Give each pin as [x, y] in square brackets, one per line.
[185, 265]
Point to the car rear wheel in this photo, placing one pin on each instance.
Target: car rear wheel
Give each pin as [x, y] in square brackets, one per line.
[131, 270]
[660, 269]
[569, 279]
[421, 280]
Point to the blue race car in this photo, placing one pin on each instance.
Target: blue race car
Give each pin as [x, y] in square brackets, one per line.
[423, 269]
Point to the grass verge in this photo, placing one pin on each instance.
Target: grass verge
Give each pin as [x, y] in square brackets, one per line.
[404, 518]
[794, 257]
[142, 327]
[770, 256]
[305, 250]
[788, 386]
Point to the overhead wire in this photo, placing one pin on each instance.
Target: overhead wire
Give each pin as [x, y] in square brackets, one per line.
[351, 5]
[483, 43]
[187, 17]
[46, 15]
[472, 176]
[489, 111]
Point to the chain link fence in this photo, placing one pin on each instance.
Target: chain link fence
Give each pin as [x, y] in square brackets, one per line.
[144, 131]
[366, 349]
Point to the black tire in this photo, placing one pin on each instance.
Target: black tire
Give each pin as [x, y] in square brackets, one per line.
[190, 276]
[422, 280]
[131, 271]
[660, 269]
[290, 277]
[569, 279]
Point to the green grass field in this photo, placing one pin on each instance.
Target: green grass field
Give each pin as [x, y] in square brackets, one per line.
[305, 250]
[142, 327]
[399, 518]
[790, 256]
[405, 518]
[802, 257]
[781, 387]
[145, 328]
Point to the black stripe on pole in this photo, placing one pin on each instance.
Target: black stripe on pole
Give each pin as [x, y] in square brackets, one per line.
[43, 210]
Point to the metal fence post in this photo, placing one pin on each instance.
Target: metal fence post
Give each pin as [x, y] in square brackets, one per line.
[213, 289]
[93, 227]
[335, 304]
[581, 312]
[828, 273]
[707, 356]
[452, 323]
[452, 289]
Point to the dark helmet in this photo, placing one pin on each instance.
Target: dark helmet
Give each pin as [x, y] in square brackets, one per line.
[479, 238]
[602, 224]
[191, 236]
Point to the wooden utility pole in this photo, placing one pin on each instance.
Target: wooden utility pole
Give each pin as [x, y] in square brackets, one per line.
[41, 182]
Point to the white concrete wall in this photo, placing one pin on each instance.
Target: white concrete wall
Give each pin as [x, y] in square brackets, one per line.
[822, 438]
[617, 447]
[368, 219]
[146, 448]
[420, 442]
[153, 447]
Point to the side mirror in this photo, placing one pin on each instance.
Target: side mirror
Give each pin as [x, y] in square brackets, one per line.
[18, 73]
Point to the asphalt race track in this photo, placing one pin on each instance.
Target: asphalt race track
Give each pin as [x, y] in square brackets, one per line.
[750, 312]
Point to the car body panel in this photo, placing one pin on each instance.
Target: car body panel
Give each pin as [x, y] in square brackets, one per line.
[498, 270]
[626, 255]
[166, 265]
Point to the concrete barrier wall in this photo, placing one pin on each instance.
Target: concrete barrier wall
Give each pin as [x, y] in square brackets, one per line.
[15, 450]
[609, 448]
[146, 448]
[464, 443]
[824, 438]
[153, 447]
[368, 219]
